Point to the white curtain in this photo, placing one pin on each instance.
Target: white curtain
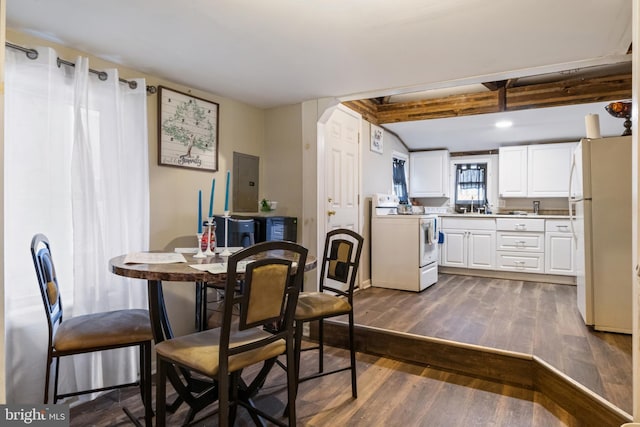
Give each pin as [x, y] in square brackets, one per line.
[76, 170]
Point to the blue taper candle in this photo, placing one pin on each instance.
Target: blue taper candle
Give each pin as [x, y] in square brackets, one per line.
[226, 196]
[199, 211]
[213, 186]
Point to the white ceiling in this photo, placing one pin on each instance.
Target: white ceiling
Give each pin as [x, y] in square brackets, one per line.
[281, 52]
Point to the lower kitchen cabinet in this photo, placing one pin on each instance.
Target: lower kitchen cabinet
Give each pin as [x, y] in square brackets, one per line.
[560, 249]
[520, 244]
[468, 243]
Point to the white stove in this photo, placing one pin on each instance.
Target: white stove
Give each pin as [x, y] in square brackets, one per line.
[404, 251]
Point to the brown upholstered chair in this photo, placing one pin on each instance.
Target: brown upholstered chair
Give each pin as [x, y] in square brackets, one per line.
[89, 333]
[265, 293]
[338, 272]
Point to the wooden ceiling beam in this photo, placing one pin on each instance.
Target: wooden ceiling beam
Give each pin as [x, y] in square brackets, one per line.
[576, 91]
[451, 106]
[505, 98]
[366, 107]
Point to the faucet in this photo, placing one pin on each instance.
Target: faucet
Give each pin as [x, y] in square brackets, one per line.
[536, 207]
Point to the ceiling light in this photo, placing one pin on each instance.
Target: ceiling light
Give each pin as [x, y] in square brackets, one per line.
[504, 124]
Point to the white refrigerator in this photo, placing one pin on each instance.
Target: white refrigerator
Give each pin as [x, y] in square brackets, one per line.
[601, 214]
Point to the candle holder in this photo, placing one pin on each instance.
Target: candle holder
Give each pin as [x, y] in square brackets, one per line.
[211, 238]
[226, 251]
[200, 254]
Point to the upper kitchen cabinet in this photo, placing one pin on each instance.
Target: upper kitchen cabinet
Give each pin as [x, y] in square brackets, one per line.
[549, 169]
[512, 171]
[535, 170]
[429, 173]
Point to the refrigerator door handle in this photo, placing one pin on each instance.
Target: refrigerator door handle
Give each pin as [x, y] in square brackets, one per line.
[571, 215]
[573, 168]
[572, 218]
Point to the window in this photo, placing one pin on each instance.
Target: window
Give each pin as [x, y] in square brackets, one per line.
[400, 178]
[471, 186]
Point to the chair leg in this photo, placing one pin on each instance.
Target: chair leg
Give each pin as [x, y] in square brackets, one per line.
[46, 379]
[161, 393]
[233, 397]
[223, 399]
[352, 349]
[293, 353]
[320, 346]
[297, 351]
[55, 381]
[145, 382]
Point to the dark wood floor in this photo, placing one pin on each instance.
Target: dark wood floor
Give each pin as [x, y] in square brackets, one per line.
[528, 317]
[390, 393]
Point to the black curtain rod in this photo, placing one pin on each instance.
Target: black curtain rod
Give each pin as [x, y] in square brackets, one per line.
[33, 54]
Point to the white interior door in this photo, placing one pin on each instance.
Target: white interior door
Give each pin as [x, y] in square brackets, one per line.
[339, 174]
[342, 166]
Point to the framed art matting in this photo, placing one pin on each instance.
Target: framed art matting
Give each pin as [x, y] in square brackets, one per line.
[187, 131]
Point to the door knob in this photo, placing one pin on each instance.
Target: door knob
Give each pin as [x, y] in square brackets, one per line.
[331, 213]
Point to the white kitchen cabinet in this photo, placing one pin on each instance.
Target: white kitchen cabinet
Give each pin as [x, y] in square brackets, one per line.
[560, 250]
[468, 243]
[548, 169]
[429, 174]
[521, 244]
[512, 171]
[535, 171]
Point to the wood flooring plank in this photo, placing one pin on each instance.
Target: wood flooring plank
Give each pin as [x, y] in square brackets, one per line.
[538, 318]
[391, 393]
[456, 308]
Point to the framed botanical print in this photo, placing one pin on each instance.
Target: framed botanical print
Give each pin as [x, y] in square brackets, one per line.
[376, 138]
[187, 131]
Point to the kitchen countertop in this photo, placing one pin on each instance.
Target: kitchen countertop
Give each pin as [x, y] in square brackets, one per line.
[477, 215]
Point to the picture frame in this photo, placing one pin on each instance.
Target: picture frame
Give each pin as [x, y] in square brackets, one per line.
[377, 135]
[187, 131]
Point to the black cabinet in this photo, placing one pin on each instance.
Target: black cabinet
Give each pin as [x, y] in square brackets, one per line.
[245, 230]
[270, 228]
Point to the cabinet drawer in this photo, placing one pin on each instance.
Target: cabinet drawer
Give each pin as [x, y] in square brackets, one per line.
[520, 261]
[520, 242]
[468, 223]
[520, 224]
[558, 226]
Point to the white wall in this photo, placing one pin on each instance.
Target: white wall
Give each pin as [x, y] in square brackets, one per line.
[377, 169]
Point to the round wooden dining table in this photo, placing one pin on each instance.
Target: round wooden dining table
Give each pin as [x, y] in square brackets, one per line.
[197, 393]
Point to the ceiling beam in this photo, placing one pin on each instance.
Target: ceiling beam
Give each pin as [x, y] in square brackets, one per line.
[507, 97]
[368, 108]
[567, 92]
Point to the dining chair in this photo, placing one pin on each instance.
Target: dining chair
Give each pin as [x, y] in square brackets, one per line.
[340, 261]
[90, 332]
[261, 290]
